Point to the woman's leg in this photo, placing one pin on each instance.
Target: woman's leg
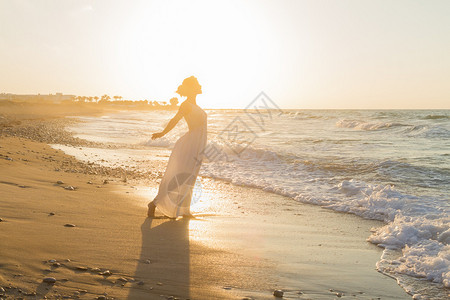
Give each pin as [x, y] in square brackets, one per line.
[151, 210]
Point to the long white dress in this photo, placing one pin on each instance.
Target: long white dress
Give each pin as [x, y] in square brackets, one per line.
[176, 187]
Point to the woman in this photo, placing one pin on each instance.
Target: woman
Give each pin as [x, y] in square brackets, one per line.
[175, 190]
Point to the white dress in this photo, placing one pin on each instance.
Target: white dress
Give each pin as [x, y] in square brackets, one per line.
[176, 187]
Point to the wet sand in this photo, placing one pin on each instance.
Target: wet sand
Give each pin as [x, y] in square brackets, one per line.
[243, 242]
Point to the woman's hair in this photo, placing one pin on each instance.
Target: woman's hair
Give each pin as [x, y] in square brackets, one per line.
[189, 86]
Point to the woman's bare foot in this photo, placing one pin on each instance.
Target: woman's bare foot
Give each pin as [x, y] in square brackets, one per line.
[151, 210]
[189, 216]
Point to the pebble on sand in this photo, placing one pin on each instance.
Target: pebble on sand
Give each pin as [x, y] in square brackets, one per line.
[60, 182]
[278, 293]
[70, 225]
[106, 273]
[49, 280]
[69, 188]
[1, 220]
[51, 214]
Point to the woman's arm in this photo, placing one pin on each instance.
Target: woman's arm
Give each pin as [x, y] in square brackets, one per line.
[180, 114]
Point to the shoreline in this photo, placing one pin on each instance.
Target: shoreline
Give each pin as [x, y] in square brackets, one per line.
[229, 251]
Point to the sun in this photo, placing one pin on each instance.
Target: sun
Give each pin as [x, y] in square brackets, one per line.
[215, 43]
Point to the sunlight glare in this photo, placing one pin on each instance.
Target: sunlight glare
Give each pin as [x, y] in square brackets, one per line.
[177, 44]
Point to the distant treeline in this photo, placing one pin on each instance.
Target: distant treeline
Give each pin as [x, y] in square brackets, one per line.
[103, 101]
[118, 101]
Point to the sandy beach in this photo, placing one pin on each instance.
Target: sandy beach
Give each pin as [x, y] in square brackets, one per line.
[71, 230]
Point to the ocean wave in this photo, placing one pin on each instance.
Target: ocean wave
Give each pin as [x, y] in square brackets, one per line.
[414, 226]
[421, 130]
[218, 150]
[411, 220]
[366, 126]
[436, 117]
[428, 131]
[420, 176]
[377, 202]
[300, 115]
[413, 223]
[437, 132]
[391, 170]
[416, 129]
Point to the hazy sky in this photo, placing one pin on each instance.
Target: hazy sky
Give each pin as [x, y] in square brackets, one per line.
[303, 54]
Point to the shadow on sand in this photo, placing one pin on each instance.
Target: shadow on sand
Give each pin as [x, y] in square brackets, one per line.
[163, 266]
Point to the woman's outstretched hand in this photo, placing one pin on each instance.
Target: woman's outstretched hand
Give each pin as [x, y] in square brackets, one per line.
[157, 135]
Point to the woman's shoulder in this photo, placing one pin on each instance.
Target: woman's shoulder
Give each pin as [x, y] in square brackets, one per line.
[185, 107]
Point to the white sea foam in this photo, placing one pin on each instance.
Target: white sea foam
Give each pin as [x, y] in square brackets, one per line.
[423, 256]
[362, 125]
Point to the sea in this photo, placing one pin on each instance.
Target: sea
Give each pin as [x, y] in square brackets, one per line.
[388, 165]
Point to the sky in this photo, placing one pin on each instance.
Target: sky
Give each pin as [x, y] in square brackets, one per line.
[348, 54]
